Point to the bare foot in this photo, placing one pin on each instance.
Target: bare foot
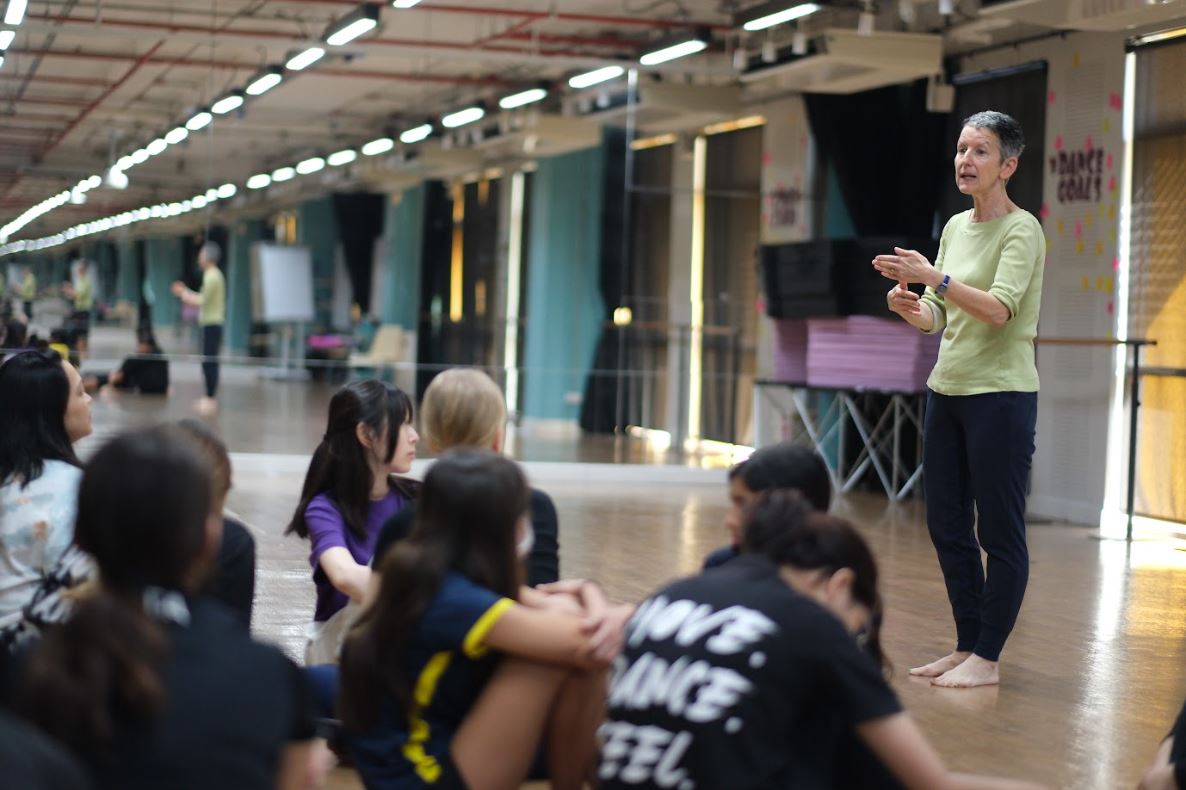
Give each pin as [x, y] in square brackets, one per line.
[206, 406]
[945, 664]
[975, 671]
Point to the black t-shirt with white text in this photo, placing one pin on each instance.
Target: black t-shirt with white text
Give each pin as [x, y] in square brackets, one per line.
[720, 676]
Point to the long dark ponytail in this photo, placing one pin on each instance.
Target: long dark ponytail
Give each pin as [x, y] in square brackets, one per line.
[34, 393]
[143, 506]
[781, 526]
[466, 521]
[339, 466]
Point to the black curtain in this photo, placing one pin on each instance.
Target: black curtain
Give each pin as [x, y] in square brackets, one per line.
[360, 222]
[144, 308]
[887, 152]
[1020, 92]
[599, 406]
[434, 282]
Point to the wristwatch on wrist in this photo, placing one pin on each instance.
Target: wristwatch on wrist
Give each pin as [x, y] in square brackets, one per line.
[943, 285]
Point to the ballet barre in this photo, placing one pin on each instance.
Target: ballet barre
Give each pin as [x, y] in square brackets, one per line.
[1134, 405]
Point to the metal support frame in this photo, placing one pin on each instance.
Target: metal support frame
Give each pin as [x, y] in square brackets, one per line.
[881, 441]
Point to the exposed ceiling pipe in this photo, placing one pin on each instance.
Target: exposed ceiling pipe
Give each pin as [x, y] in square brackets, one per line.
[89, 108]
[116, 57]
[53, 101]
[50, 79]
[205, 35]
[560, 16]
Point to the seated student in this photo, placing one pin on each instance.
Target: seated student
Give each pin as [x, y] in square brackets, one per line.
[232, 579]
[464, 409]
[1168, 771]
[348, 494]
[750, 674]
[145, 371]
[43, 412]
[16, 335]
[148, 684]
[782, 465]
[59, 343]
[31, 761]
[456, 673]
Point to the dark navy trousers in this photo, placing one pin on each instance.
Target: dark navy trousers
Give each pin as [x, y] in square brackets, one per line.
[977, 451]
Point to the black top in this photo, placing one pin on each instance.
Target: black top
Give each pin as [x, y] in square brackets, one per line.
[720, 677]
[542, 565]
[232, 582]
[1178, 749]
[31, 761]
[720, 556]
[232, 705]
[149, 375]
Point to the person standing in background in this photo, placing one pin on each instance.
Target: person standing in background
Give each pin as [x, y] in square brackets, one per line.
[81, 292]
[28, 292]
[211, 301]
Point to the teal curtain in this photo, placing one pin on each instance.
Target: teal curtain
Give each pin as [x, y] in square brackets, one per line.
[317, 229]
[564, 306]
[164, 265]
[128, 288]
[403, 237]
[238, 279]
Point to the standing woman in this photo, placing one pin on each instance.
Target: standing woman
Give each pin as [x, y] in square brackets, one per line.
[983, 293]
[349, 493]
[211, 301]
[44, 410]
[82, 293]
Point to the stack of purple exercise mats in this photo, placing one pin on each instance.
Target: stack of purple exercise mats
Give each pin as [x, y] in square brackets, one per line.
[855, 352]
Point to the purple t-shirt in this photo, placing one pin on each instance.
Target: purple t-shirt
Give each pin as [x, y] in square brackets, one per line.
[327, 530]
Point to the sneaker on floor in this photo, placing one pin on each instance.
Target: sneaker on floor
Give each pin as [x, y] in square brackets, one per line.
[206, 406]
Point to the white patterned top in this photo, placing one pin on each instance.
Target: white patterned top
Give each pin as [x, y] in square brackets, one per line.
[36, 528]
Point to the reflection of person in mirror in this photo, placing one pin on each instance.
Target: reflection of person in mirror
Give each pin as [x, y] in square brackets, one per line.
[983, 293]
[211, 301]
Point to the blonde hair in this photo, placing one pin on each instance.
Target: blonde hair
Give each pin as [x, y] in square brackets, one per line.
[462, 408]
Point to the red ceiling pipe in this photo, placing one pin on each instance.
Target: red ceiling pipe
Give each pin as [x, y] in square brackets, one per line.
[89, 108]
[55, 80]
[33, 116]
[55, 101]
[33, 130]
[140, 61]
[223, 64]
[171, 27]
[615, 21]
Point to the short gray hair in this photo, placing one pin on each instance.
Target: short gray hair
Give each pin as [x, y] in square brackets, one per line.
[211, 252]
[1005, 127]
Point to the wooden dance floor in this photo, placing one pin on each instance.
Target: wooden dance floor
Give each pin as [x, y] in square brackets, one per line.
[1091, 679]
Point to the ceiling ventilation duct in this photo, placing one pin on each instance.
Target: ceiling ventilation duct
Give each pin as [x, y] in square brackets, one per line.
[1097, 15]
[845, 61]
[659, 106]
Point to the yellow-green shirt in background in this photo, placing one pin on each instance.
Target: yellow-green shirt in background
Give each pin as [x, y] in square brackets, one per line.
[1003, 256]
[84, 295]
[213, 293]
[29, 288]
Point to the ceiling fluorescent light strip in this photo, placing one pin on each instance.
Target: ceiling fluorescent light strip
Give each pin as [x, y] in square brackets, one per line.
[779, 17]
[596, 77]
